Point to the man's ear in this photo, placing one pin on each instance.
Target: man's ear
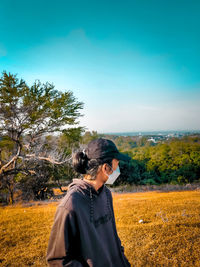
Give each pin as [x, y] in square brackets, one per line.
[106, 169]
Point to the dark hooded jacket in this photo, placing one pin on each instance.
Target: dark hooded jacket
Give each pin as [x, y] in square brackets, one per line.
[84, 230]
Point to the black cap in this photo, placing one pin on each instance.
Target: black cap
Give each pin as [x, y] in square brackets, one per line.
[104, 148]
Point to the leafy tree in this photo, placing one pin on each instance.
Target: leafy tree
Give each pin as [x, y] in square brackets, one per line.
[34, 185]
[131, 172]
[63, 172]
[176, 161]
[70, 139]
[27, 114]
[89, 136]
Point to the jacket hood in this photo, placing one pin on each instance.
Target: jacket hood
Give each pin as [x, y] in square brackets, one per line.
[85, 188]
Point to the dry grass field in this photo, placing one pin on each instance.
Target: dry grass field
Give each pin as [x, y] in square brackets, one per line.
[168, 236]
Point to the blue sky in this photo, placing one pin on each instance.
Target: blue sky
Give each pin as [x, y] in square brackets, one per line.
[134, 64]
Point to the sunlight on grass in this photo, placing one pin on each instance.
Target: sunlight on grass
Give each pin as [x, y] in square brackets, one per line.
[168, 236]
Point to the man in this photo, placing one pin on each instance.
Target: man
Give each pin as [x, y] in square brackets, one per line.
[84, 231]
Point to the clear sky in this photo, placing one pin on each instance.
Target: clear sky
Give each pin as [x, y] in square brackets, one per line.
[135, 64]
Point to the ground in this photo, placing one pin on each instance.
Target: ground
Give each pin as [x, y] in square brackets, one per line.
[156, 229]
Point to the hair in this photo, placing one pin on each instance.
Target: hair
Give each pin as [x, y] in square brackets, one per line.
[83, 165]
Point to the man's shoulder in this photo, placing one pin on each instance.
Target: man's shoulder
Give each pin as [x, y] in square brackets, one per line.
[72, 199]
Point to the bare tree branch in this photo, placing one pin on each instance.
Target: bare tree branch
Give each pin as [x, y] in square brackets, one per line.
[4, 167]
[49, 159]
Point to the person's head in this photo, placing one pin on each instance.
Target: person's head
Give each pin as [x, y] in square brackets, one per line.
[99, 159]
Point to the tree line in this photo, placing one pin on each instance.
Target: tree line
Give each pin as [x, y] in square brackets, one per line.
[174, 162]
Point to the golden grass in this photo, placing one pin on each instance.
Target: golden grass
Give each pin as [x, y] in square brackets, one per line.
[169, 236]
[58, 192]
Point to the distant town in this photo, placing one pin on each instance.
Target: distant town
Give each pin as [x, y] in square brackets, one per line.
[156, 136]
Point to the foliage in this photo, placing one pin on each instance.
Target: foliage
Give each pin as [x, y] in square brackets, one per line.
[34, 110]
[127, 143]
[89, 136]
[70, 139]
[131, 172]
[27, 115]
[176, 161]
[61, 173]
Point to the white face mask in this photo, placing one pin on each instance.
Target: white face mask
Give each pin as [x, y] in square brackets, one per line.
[112, 177]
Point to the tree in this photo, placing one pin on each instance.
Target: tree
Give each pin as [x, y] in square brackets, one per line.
[89, 136]
[131, 172]
[27, 114]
